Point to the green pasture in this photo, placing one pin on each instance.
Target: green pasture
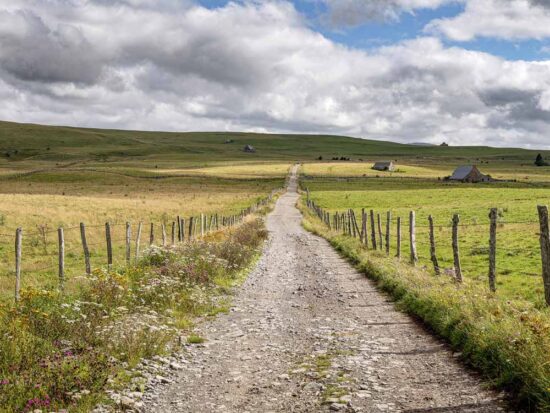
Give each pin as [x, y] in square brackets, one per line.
[518, 250]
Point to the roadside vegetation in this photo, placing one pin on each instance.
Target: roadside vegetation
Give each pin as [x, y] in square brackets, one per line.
[63, 351]
[505, 335]
[508, 341]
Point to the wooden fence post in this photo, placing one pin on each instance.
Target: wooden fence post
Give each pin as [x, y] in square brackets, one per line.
[398, 253]
[380, 238]
[202, 225]
[109, 245]
[493, 216]
[545, 250]
[138, 241]
[173, 233]
[18, 243]
[412, 237]
[85, 248]
[364, 232]
[456, 251]
[373, 230]
[182, 229]
[388, 223]
[191, 236]
[180, 226]
[152, 234]
[61, 263]
[128, 243]
[163, 227]
[433, 254]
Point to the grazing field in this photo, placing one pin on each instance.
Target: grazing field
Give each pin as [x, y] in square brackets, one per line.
[41, 189]
[503, 334]
[518, 249]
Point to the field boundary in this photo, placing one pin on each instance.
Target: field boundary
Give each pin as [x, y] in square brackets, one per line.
[508, 344]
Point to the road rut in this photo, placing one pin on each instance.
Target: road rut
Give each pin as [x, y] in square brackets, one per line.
[308, 333]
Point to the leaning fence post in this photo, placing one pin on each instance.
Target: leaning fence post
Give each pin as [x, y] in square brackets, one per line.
[373, 229]
[85, 248]
[138, 241]
[493, 215]
[398, 253]
[433, 254]
[388, 223]
[109, 245]
[412, 237]
[545, 250]
[128, 243]
[61, 240]
[456, 252]
[18, 242]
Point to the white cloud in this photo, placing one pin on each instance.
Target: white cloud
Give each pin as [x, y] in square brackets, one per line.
[506, 19]
[254, 66]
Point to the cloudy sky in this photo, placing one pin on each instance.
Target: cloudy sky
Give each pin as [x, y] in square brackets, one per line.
[461, 71]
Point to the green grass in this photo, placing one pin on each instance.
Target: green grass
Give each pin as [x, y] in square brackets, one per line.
[518, 249]
[507, 340]
[195, 339]
[63, 351]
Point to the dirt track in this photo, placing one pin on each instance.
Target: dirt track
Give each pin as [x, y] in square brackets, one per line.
[307, 333]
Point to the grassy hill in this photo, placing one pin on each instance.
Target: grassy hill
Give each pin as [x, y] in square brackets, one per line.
[59, 143]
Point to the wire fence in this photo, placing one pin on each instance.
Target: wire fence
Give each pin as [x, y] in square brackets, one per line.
[494, 250]
[43, 257]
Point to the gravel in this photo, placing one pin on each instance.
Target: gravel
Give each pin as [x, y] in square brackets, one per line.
[300, 338]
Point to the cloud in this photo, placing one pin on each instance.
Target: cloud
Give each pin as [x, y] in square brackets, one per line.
[505, 19]
[346, 13]
[254, 66]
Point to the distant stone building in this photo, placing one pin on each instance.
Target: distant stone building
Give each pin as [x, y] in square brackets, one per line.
[384, 166]
[249, 149]
[469, 173]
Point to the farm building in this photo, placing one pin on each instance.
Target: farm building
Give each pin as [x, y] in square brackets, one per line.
[249, 149]
[469, 173]
[384, 166]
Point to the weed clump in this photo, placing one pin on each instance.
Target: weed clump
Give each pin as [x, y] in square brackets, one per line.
[59, 351]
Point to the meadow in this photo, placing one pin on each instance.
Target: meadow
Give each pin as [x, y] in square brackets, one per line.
[57, 177]
[503, 334]
[518, 249]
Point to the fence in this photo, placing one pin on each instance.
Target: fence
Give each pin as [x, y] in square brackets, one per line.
[112, 244]
[368, 228]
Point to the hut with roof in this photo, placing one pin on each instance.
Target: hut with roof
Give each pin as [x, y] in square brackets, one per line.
[469, 173]
[384, 166]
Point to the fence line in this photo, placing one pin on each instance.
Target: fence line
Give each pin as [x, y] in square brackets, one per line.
[341, 225]
[195, 230]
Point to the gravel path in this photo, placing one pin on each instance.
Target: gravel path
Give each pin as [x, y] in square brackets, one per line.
[308, 333]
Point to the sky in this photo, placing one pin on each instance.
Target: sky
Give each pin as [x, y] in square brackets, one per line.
[466, 72]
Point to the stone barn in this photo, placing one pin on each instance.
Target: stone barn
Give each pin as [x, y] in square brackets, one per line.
[469, 174]
[384, 166]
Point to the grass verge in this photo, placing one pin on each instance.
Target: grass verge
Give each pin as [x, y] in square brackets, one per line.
[509, 342]
[62, 352]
